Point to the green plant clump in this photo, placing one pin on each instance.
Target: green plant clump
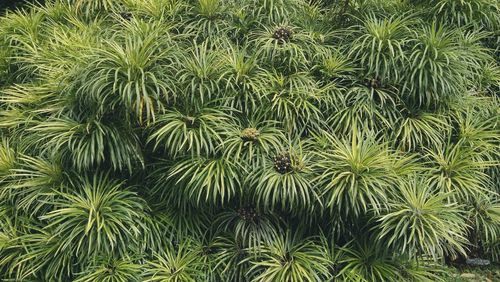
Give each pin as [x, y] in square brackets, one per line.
[248, 140]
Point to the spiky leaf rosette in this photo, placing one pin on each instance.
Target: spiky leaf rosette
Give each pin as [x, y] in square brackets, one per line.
[110, 270]
[175, 263]
[97, 215]
[249, 225]
[283, 182]
[212, 180]
[190, 131]
[379, 45]
[455, 170]
[426, 219]
[368, 261]
[356, 173]
[136, 68]
[289, 258]
[438, 66]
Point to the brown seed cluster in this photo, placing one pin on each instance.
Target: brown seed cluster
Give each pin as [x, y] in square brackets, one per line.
[283, 163]
[250, 134]
[282, 35]
[247, 213]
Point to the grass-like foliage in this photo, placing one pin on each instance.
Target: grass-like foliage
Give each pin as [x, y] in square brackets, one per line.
[248, 140]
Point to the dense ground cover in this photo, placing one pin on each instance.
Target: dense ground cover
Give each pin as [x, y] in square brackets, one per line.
[249, 140]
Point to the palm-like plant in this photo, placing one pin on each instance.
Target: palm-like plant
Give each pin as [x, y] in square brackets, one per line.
[240, 76]
[368, 261]
[479, 133]
[112, 270]
[177, 263]
[96, 216]
[419, 129]
[483, 217]
[200, 73]
[333, 65]
[419, 219]
[454, 170]
[489, 78]
[10, 249]
[208, 20]
[283, 45]
[437, 66]
[31, 182]
[355, 174]
[288, 258]
[43, 252]
[284, 181]
[335, 257]
[372, 106]
[252, 140]
[249, 226]
[215, 179]
[88, 143]
[134, 74]
[230, 258]
[379, 45]
[157, 9]
[196, 131]
[295, 99]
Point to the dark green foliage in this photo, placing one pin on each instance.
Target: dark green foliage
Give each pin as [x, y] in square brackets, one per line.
[13, 4]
